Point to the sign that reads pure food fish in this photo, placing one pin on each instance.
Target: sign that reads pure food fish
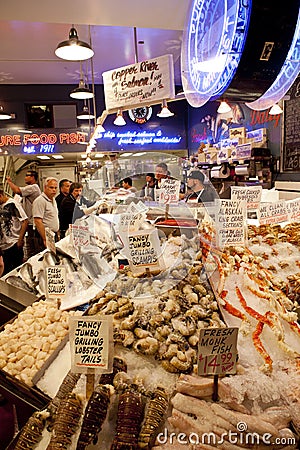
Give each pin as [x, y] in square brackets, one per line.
[91, 342]
[143, 83]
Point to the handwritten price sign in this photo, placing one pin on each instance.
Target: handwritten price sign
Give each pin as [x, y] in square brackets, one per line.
[217, 353]
[169, 191]
[80, 235]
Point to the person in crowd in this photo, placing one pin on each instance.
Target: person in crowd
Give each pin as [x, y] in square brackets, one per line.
[45, 212]
[198, 192]
[147, 190]
[64, 188]
[74, 206]
[29, 193]
[161, 171]
[13, 224]
[127, 184]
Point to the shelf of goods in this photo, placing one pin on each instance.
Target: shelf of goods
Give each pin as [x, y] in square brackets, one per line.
[154, 397]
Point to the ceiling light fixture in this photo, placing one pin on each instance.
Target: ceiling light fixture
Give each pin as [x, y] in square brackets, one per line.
[223, 107]
[276, 109]
[73, 49]
[165, 112]
[82, 92]
[119, 120]
[43, 157]
[3, 114]
[85, 114]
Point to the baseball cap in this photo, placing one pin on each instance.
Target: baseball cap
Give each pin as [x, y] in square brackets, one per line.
[196, 174]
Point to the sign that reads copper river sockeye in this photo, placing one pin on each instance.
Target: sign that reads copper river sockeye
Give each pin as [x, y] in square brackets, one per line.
[142, 83]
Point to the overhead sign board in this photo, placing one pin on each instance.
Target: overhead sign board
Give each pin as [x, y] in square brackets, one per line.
[143, 83]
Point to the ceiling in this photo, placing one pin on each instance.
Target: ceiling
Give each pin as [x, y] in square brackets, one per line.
[31, 30]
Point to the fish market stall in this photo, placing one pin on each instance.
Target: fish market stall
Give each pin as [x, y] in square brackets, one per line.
[154, 397]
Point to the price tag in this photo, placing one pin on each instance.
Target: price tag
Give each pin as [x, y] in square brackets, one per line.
[91, 342]
[169, 191]
[80, 235]
[217, 351]
[56, 281]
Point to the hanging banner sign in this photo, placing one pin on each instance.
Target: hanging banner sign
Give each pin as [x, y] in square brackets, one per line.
[91, 342]
[252, 195]
[143, 83]
[169, 191]
[217, 351]
[231, 228]
[274, 212]
[293, 209]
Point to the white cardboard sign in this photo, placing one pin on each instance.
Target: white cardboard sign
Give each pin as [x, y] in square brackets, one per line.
[274, 212]
[56, 281]
[252, 195]
[91, 341]
[169, 191]
[231, 223]
[139, 84]
[217, 351]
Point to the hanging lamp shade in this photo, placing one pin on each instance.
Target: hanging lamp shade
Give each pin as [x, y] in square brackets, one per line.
[165, 112]
[73, 49]
[276, 109]
[119, 120]
[82, 92]
[85, 114]
[3, 114]
[223, 108]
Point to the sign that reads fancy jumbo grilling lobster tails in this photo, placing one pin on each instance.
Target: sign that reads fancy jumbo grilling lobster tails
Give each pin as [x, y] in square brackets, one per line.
[143, 83]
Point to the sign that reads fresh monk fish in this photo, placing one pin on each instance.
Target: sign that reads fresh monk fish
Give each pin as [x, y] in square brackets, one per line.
[217, 351]
[139, 84]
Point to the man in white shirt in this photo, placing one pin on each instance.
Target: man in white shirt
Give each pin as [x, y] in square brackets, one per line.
[13, 224]
[28, 193]
[45, 213]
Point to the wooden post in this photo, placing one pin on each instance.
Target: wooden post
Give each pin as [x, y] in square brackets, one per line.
[215, 395]
[167, 211]
[90, 384]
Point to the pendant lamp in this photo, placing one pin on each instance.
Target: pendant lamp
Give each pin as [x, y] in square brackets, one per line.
[275, 110]
[73, 49]
[119, 120]
[223, 108]
[85, 114]
[165, 112]
[4, 115]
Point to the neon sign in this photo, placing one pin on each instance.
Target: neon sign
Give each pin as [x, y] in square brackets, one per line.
[212, 47]
[285, 78]
[140, 138]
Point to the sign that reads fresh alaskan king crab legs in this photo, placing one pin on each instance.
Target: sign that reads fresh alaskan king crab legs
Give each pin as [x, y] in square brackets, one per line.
[146, 82]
